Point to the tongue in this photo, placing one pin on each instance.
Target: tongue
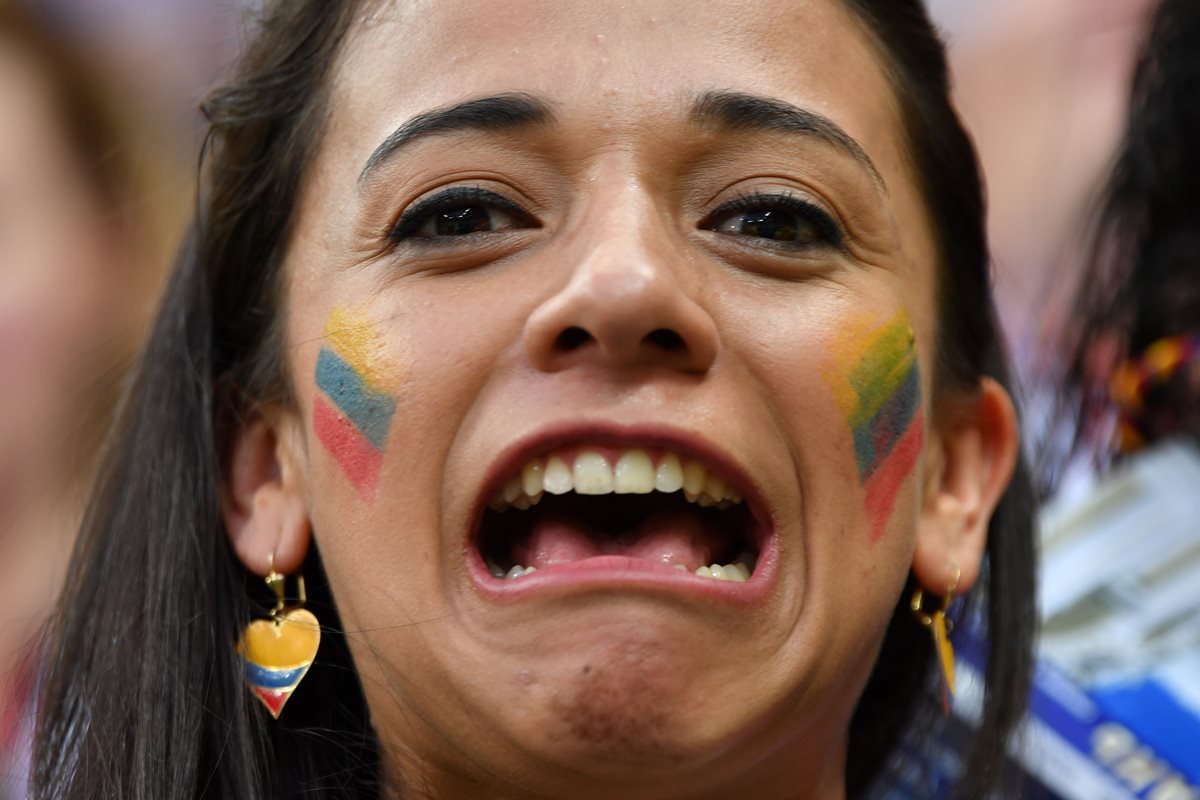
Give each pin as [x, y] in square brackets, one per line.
[668, 537]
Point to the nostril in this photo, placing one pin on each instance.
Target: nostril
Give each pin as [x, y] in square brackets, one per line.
[666, 339]
[571, 339]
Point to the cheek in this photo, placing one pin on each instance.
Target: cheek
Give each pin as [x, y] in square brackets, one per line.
[355, 398]
[875, 377]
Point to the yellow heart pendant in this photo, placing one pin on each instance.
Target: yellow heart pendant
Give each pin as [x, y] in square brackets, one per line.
[277, 654]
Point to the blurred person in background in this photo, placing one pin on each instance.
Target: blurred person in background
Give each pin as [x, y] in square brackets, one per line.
[1043, 87]
[1132, 365]
[80, 233]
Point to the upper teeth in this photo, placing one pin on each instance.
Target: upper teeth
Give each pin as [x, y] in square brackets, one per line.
[589, 472]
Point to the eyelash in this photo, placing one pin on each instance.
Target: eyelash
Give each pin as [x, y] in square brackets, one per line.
[827, 228]
[458, 197]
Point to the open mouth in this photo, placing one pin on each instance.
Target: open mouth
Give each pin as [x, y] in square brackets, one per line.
[578, 503]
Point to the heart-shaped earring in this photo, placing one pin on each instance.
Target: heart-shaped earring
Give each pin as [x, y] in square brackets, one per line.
[277, 652]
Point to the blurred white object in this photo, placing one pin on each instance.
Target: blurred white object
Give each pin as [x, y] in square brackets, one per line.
[1120, 594]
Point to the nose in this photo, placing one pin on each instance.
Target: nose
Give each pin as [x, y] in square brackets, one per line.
[624, 306]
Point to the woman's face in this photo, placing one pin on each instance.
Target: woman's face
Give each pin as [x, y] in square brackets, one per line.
[581, 254]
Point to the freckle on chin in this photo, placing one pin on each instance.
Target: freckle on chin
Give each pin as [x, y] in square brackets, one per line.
[622, 707]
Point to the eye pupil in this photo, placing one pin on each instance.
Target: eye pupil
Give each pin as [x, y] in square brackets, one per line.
[455, 216]
[780, 226]
[775, 220]
[462, 221]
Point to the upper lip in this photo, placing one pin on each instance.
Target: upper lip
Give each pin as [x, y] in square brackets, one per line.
[681, 442]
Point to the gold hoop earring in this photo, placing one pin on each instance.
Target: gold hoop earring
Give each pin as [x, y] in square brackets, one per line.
[939, 627]
[277, 652]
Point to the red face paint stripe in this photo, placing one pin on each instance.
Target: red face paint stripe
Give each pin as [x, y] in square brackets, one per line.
[358, 459]
[884, 485]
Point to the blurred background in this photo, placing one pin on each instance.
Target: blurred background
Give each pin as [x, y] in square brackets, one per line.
[1042, 84]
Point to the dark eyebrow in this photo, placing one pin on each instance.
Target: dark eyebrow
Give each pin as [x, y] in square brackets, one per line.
[746, 112]
[498, 112]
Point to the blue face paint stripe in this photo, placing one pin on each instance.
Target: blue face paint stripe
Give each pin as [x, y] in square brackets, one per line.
[369, 410]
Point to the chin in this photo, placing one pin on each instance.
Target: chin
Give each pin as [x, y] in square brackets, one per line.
[634, 696]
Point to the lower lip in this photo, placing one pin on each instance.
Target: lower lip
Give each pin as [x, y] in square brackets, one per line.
[621, 573]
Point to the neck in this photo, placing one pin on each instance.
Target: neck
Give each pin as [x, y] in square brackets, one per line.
[459, 787]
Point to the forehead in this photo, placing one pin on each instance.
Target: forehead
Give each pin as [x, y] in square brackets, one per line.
[614, 63]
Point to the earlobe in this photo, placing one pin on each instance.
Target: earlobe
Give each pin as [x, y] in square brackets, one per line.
[971, 459]
[263, 499]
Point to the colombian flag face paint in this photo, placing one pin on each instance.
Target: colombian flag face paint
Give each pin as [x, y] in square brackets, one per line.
[877, 382]
[352, 412]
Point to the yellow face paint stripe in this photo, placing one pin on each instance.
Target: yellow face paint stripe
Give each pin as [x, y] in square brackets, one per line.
[353, 335]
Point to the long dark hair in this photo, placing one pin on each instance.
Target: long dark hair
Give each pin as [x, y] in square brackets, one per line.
[1141, 282]
[143, 697]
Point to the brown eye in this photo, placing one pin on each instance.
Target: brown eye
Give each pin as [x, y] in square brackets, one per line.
[779, 220]
[466, 220]
[460, 212]
[773, 224]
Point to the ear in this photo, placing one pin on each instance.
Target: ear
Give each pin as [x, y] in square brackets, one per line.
[263, 499]
[969, 462]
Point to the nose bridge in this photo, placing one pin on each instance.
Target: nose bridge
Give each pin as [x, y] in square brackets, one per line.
[624, 254]
[627, 300]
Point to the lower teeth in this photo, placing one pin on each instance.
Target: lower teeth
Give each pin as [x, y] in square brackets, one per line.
[517, 571]
[738, 572]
